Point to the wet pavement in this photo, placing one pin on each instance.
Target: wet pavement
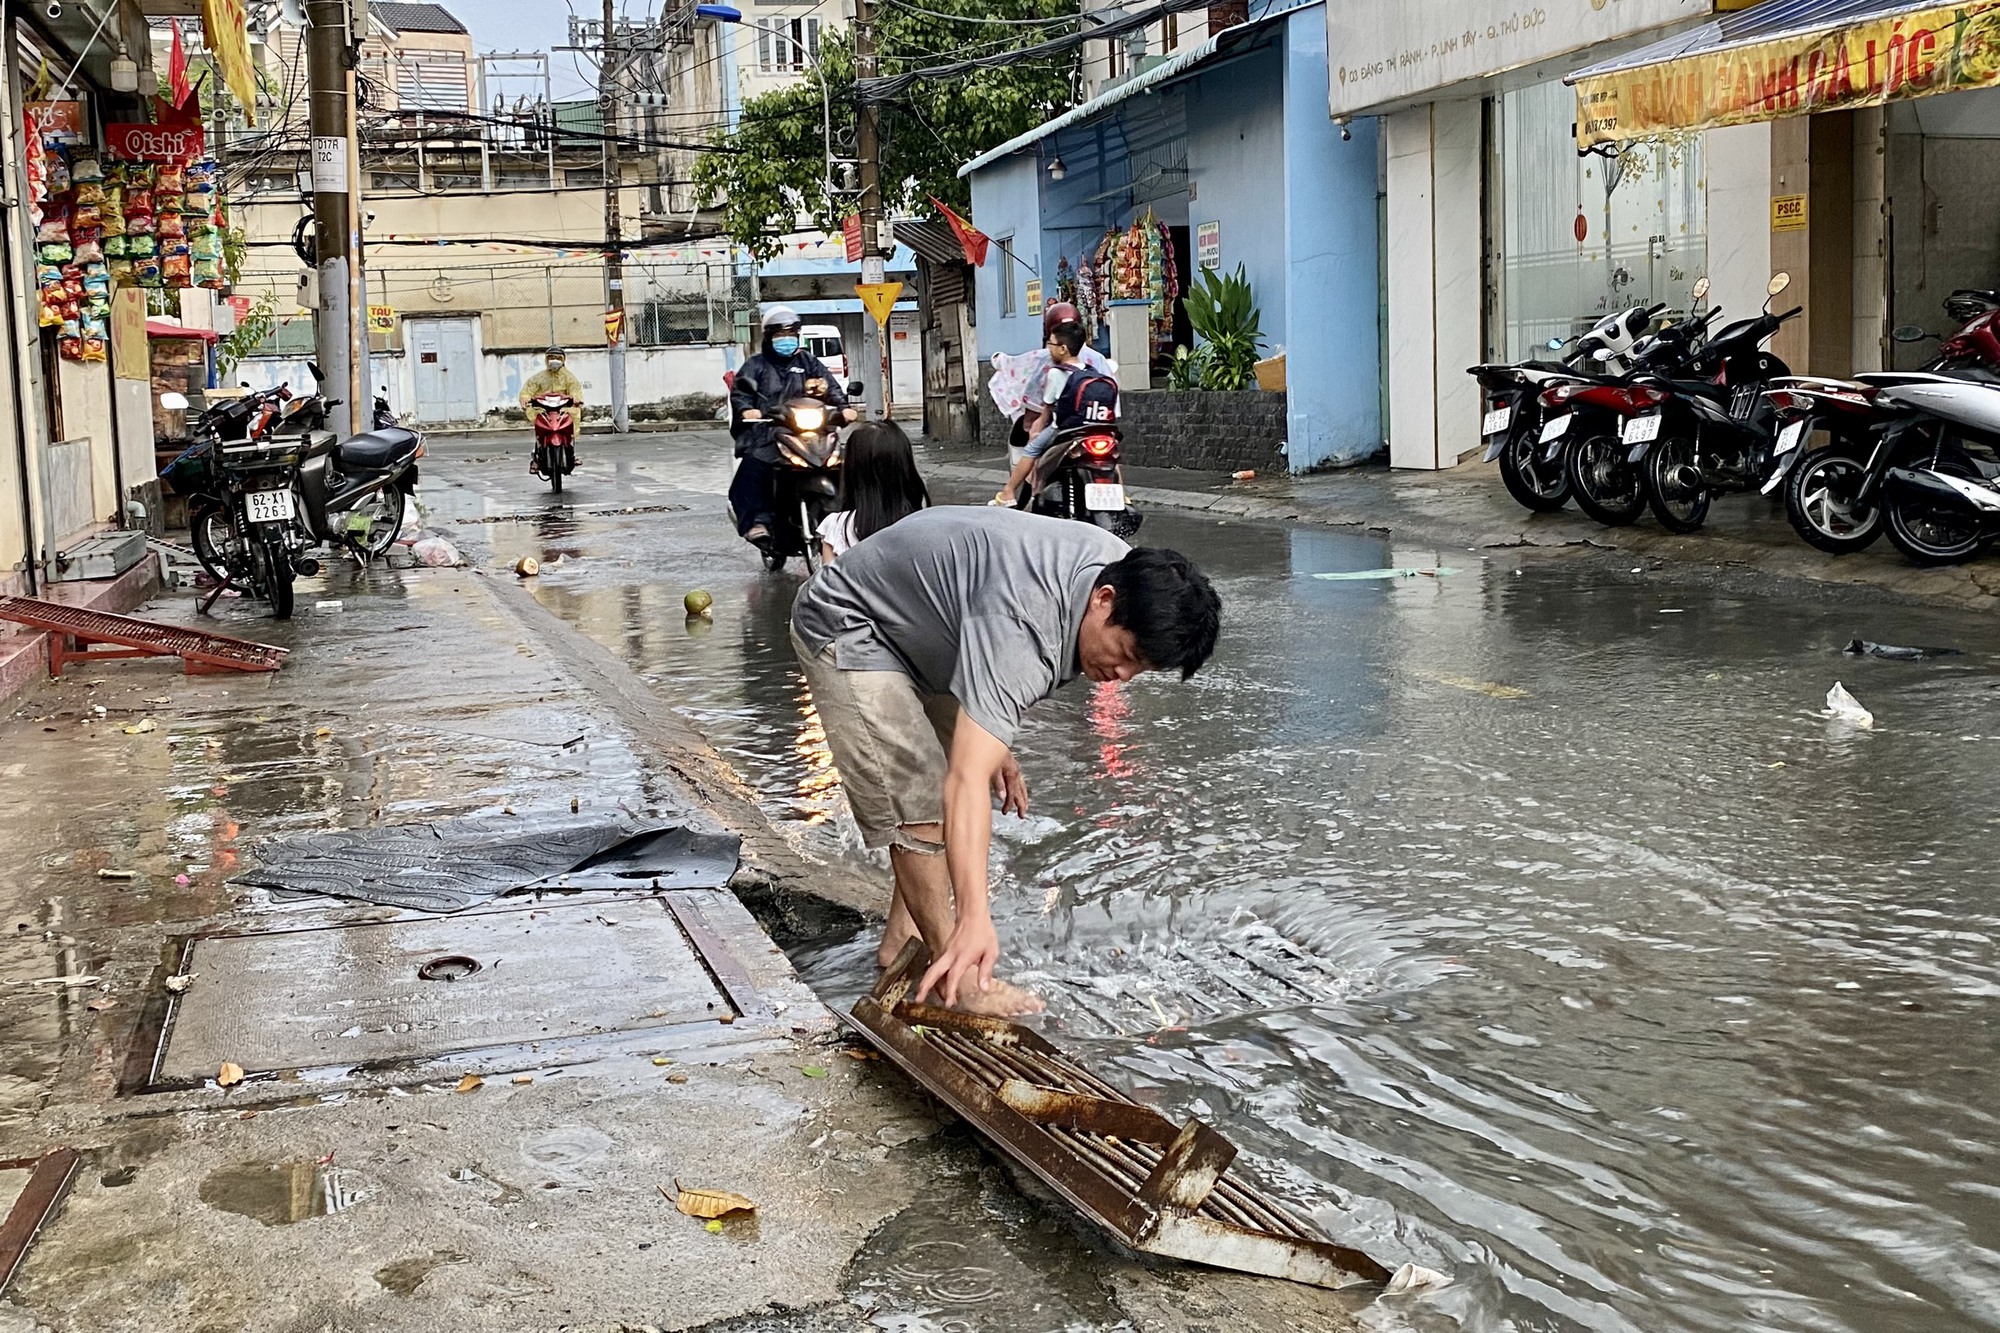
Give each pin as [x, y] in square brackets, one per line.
[1528, 915]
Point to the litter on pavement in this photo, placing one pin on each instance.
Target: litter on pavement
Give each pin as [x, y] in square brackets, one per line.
[453, 864]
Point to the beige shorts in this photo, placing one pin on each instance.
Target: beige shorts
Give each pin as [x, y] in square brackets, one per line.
[890, 742]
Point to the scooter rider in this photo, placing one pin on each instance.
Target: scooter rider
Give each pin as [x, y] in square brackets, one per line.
[783, 370]
[555, 377]
[1035, 386]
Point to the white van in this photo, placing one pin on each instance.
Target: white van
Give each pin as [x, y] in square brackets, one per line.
[823, 341]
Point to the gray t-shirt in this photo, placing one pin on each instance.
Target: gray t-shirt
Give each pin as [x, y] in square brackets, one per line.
[976, 602]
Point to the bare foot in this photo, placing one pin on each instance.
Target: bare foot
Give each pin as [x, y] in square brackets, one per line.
[892, 945]
[1002, 999]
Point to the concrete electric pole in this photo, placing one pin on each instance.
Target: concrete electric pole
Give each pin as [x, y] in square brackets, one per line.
[614, 258]
[341, 347]
[874, 259]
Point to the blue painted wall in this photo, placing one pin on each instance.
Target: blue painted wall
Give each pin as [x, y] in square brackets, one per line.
[1333, 362]
[1006, 198]
[1235, 154]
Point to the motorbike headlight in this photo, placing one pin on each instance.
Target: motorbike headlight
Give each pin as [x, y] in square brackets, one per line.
[809, 419]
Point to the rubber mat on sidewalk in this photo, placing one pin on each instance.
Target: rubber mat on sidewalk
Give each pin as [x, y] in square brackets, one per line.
[449, 865]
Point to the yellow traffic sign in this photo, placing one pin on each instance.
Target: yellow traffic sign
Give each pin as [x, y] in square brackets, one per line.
[878, 298]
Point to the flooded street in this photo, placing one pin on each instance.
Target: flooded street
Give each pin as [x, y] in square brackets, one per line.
[1528, 918]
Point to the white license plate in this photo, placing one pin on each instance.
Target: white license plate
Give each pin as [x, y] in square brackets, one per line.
[1555, 428]
[1789, 437]
[1496, 421]
[268, 506]
[1638, 430]
[1103, 496]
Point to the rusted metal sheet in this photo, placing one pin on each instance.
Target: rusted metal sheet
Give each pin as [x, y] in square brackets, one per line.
[70, 627]
[1159, 1188]
[38, 1198]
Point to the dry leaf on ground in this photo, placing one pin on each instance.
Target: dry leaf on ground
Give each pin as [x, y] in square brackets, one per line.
[711, 1203]
[229, 1075]
[470, 1083]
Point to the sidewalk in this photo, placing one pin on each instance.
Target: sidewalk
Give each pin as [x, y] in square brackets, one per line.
[352, 1198]
[1468, 506]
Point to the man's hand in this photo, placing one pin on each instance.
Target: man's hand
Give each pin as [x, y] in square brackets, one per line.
[1010, 788]
[968, 958]
[752, 414]
[852, 414]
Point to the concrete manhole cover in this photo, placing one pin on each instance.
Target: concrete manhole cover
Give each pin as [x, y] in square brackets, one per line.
[400, 990]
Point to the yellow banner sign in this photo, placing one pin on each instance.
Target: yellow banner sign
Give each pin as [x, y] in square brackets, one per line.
[381, 319]
[225, 29]
[1788, 212]
[1919, 51]
[614, 327]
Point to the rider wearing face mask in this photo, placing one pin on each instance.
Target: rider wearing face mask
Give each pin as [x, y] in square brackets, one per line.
[554, 377]
[783, 369]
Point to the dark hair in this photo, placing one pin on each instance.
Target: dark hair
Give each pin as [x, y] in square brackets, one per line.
[879, 482]
[1070, 335]
[1168, 605]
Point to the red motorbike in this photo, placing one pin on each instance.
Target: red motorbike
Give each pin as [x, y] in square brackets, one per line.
[555, 437]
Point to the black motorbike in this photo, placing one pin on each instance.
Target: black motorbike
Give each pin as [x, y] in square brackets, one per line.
[1078, 476]
[807, 478]
[1714, 433]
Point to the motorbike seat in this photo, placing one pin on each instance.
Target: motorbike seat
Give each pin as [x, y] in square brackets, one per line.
[377, 449]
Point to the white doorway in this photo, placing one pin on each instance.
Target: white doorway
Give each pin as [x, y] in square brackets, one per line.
[445, 358]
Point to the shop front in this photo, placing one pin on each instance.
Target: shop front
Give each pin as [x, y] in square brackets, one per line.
[1865, 135]
[1497, 234]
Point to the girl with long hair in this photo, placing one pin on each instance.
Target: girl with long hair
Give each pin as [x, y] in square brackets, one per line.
[879, 484]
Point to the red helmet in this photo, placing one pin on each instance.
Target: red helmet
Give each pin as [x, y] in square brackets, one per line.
[1059, 312]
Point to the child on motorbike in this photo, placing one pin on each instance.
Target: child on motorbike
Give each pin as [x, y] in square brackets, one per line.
[879, 484]
[1065, 351]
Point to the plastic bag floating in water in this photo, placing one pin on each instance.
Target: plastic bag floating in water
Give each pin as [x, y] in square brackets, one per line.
[1351, 575]
[1844, 707]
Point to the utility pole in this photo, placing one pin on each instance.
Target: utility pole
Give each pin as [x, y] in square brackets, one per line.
[874, 268]
[614, 182]
[331, 119]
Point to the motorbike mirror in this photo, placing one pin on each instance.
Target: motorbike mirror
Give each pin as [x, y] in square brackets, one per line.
[1701, 287]
[313, 366]
[1554, 344]
[174, 402]
[1908, 333]
[1778, 283]
[855, 388]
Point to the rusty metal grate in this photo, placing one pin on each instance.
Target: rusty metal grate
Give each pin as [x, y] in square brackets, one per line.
[69, 626]
[1160, 1188]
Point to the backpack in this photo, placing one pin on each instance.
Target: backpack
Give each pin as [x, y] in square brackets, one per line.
[1089, 398]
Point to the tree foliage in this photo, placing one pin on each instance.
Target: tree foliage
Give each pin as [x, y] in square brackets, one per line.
[778, 173]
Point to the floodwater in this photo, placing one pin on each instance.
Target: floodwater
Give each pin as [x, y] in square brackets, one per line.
[1529, 921]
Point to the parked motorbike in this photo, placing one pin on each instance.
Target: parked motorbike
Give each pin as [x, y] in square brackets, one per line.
[1832, 492]
[1940, 470]
[1078, 476]
[1714, 434]
[246, 531]
[807, 480]
[555, 437]
[1585, 419]
[1531, 470]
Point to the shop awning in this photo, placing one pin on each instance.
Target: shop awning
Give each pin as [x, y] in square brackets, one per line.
[1788, 58]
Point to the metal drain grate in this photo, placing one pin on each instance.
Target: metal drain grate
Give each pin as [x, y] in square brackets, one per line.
[68, 626]
[1159, 1188]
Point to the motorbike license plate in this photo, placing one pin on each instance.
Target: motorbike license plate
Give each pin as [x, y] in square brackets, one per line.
[268, 506]
[1638, 430]
[1103, 496]
[1789, 437]
[1555, 428]
[1496, 421]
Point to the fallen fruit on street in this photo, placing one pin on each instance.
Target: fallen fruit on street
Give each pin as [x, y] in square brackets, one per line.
[527, 566]
[698, 603]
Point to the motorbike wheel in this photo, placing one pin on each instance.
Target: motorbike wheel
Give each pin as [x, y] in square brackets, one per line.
[555, 480]
[214, 544]
[1538, 487]
[384, 511]
[273, 571]
[1819, 503]
[1606, 486]
[811, 522]
[1931, 535]
[1674, 486]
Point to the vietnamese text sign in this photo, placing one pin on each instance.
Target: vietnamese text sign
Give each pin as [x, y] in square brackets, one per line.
[1379, 53]
[850, 235]
[1208, 245]
[1034, 296]
[381, 319]
[1886, 59]
[1788, 212]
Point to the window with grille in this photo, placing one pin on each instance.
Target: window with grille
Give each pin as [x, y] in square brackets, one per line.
[671, 323]
[786, 46]
[433, 81]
